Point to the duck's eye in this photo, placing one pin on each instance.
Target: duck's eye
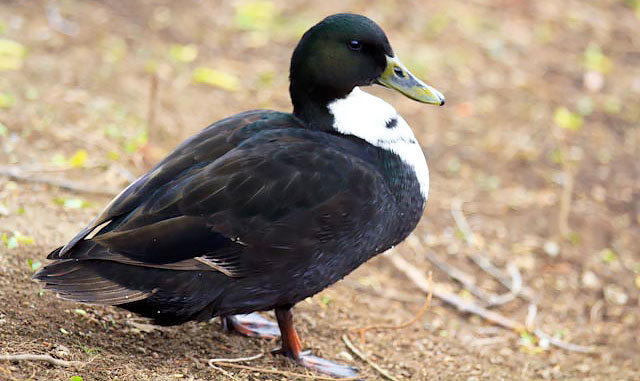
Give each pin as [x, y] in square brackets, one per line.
[354, 45]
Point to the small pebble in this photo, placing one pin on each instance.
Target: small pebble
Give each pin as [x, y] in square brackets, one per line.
[345, 355]
[551, 248]
[590, 280]
[583, 368]
[615, 294]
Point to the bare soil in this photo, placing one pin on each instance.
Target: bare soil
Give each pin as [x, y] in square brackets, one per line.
[540, 137]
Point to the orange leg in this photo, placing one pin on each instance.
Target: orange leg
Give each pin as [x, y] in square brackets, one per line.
[290, 341]
[291, 348]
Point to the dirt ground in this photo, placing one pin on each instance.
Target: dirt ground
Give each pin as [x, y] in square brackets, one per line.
[540, 138]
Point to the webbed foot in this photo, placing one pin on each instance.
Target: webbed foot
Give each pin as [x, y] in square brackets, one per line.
[320, 365]
[252, 325]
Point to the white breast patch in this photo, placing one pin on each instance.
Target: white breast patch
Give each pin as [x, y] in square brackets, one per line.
[371, 119]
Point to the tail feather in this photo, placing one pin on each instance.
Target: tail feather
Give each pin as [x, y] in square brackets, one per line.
[167, 296]
[73, 280]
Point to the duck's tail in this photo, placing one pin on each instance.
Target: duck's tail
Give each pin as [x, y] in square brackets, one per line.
[167, 296]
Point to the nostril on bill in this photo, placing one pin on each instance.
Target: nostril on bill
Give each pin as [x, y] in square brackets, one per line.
[398, 72]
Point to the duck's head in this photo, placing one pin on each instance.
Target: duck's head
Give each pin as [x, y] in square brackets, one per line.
[344, 51]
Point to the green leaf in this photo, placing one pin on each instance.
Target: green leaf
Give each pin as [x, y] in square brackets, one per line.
[574, 238]
[75, 378]
[113, 155]
[64, 331]
[564, 118]
[12, 243]
[134, 144]
[527, 339]
[557, 156]
[216, 78]
[595, 60]
[255, 15]
[79, 158]
[7, 100]
[80, 311]
[33, 265]
[183, 53]
[72, 203]
[24, 239]
[608, 256]
[11, 54]
[59, 159]
[3, 129]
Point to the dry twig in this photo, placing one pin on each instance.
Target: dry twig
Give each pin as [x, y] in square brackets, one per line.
[237, 359]
[513, 282]
[151, 110]
[46, 358]
[364, 358]
[413, 320]
[386, 292]
[530, 321]
[422, 283]
[16, 174]
[489, 299]
[565, 202]
[211, 363]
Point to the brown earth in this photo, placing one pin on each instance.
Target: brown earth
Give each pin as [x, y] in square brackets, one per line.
[540, 137]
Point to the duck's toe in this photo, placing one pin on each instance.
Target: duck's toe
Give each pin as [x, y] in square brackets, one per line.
[326, 367]
[252, 325]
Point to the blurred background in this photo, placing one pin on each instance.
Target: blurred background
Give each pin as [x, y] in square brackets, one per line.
[540, 141]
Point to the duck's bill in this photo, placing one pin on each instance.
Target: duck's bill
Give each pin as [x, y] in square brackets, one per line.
[396, 76]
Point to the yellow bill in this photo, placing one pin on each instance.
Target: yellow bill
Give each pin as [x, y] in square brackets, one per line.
[396, 76]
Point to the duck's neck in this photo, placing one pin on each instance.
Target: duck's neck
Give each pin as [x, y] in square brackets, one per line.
[310, 103]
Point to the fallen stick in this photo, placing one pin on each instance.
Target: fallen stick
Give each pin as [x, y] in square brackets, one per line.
[46, 358]
[386, 293]
[16, 174]
[413, 320]
[422, 283]
[364, 358]
[489, 299]
[565, 201]
[237, 359]
[481, 261]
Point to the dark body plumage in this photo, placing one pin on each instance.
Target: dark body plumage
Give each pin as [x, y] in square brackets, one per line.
[273, 212]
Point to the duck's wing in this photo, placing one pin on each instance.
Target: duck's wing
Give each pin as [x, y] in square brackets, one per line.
[201, 148]
[278, 192]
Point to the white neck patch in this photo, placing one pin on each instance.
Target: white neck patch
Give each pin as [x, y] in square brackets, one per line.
[371, 119]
